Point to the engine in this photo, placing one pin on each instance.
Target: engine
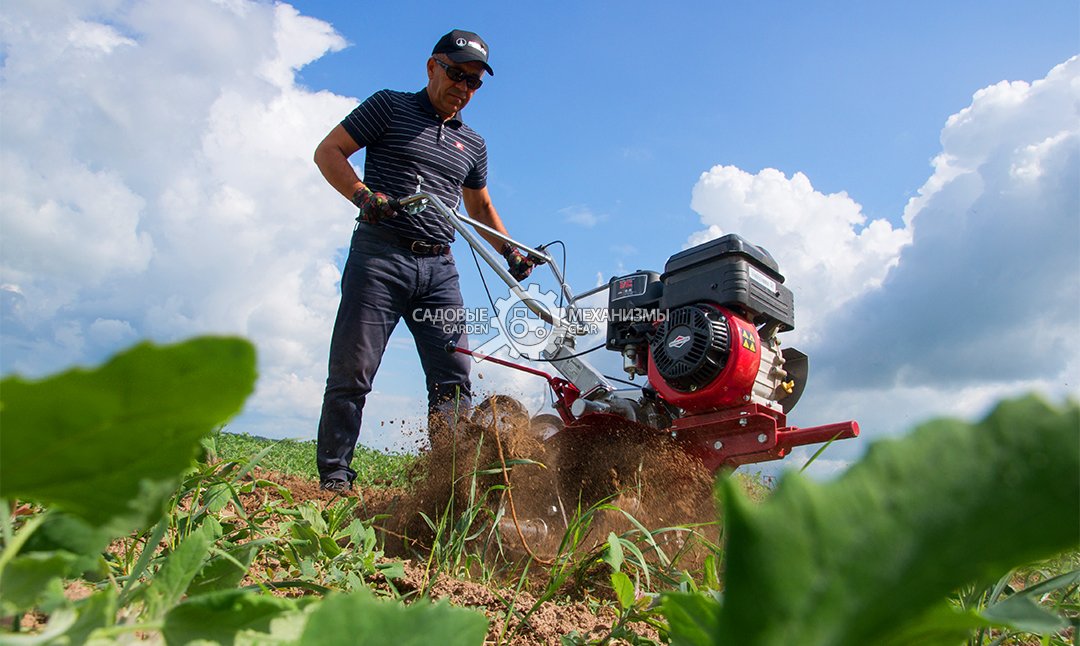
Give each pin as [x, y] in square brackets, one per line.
[705, 331]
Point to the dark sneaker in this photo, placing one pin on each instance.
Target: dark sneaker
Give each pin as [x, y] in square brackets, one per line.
[340, 487]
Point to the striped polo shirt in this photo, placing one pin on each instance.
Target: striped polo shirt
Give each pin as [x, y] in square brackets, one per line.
[409, 146]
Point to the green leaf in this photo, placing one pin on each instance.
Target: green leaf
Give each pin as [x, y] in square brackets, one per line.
[225, 571]
[853, 560]
[1020, 612]
[305, 540]
[180, 567]
[96, 611]
[358, 619]
[712, 580]
[284, 630]
[624, 589]
[216, 496]
[25, 579]
[613, 555]
[692, 618]
[68, 533]
[60, 622]
[219, 616]
[391, 569]
[941, 626]
[109, 444]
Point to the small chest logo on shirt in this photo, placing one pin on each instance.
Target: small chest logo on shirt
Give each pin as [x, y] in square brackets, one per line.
[460, 146]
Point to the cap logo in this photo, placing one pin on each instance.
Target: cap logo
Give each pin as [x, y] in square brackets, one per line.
[461, 42]
[477, 46]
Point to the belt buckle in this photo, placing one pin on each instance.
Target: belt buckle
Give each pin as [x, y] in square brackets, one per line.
[418, 247]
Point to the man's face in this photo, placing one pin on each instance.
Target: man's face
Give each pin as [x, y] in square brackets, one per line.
[447, 96]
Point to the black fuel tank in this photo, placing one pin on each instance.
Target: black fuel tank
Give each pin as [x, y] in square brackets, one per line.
[729, 271]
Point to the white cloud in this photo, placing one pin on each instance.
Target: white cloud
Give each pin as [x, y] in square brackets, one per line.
[989, 290]
[823, 244]
[159, 184]
[975, 298]
[582, 216]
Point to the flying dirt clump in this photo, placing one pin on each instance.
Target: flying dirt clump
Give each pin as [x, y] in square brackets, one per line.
[498, 473]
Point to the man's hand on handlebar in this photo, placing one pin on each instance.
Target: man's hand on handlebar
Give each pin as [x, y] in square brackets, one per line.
[519, 264]
[374, 207]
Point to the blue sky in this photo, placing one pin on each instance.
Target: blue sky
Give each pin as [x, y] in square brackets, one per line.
[913, 166]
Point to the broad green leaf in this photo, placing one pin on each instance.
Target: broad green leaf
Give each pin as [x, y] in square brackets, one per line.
[613, 555]
[391, 569]
[313, 515]
[25, 579]
[219, 616]
[853, 560]
[175, 575]
[358, 619]
[624, 589]
[305, 540]
[96, 611]
[225, 571]
[284, 630]
[216, 496]
[108, 444]
[692, 618]
[69, 533]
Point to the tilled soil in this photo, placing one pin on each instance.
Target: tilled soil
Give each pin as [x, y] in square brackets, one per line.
[496, 466]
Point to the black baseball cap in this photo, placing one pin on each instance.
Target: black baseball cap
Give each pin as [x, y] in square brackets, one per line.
[463, 46]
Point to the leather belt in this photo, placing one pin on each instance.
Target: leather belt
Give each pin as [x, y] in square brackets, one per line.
[421, 248]
[415, 247]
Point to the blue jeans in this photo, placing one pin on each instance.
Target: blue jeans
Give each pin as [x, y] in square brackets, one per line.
[381, 284]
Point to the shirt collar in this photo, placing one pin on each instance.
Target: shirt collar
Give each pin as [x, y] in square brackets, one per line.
[425, 104]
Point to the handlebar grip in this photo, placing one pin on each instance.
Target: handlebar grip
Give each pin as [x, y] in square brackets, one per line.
[395, 204]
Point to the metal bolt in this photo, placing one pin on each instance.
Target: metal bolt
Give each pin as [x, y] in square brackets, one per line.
[673, 434]
[762, 438]
[746, 398]
[742, 422]
[718, 445]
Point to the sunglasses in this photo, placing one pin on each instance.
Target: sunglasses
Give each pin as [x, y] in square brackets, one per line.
[472, 81]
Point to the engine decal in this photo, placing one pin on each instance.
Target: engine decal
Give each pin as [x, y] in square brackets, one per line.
[761, 279]
[628, 286]
[748, 340]
[679, 341]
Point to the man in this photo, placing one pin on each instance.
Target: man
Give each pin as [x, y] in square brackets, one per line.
[400, 264]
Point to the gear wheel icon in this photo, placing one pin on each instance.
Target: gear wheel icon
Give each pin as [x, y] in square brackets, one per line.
[519, 328]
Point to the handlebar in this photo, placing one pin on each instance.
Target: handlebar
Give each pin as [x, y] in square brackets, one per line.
[420, 201]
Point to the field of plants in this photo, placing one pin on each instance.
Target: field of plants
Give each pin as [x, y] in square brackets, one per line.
[126, 515]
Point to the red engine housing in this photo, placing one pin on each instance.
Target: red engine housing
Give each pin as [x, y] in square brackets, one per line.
[735, 383]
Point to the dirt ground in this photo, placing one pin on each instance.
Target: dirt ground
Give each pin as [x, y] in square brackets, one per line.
[463, 470]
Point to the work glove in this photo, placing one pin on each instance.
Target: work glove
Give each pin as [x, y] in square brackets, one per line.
[374, 207]
[519, 264]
